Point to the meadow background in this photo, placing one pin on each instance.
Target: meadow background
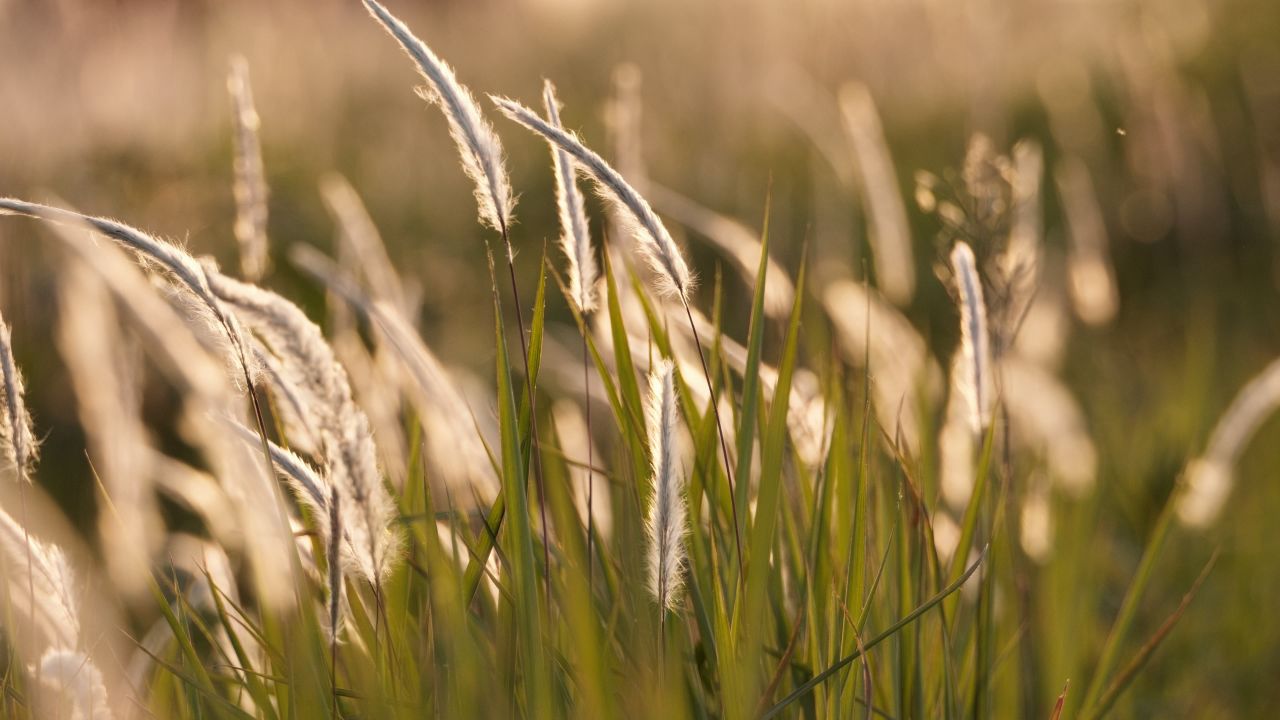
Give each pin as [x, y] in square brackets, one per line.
[120, 108]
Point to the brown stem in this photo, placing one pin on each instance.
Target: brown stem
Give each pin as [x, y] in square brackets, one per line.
[533, 423]
[724, 447]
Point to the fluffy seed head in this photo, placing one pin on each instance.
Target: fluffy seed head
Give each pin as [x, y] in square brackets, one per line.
[655, 243]
[478, 145]
[666, 521]
[975, 342]
[575, 234]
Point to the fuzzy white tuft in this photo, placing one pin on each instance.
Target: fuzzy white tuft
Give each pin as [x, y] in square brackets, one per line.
[478, 145]
[666, 522]
[655, 243]
[975, 341]
[344, 434]
[575, 234]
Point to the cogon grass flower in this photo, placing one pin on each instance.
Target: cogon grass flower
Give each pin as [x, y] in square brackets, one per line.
[666, 520]
[478, 145]
[974, 340]
[655, 243]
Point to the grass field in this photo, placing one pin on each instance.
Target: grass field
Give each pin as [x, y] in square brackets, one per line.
[714, 359]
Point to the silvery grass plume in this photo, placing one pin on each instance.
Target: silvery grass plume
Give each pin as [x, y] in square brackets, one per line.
[655, 243]
[104, 368]
[666, 522]
[244, 480]
[890, 234]
[904, 377]
[250, 187]
[736, 241]
[71, 684]
[575, 234]
[19, 444]
[1092, 282]
[1208, 479]
[478, 145]
[171, 340]
[453, 444]
[974, 338]
[350, 455]
[55, 612]
[189, 272]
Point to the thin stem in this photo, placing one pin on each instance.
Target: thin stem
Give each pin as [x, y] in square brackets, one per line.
[724, 448]
[26, 538]
[591, 477]
[533, 423]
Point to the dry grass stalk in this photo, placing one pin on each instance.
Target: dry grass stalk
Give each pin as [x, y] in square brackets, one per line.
[250, 187]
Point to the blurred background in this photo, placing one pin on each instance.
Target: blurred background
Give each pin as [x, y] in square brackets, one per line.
[1159, 124]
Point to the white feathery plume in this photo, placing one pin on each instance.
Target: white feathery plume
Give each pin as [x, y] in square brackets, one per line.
[294, 406]
[76, 685]
[56, 612]
[904, 377]
[244, 480]
[250, 186]
[478, 145]
[666, 520]
[347, 442]
[974, 338]
[575, 233]
[19, 444]
[890, 234]
[738, 242]
[48, 599]
[304, 481]
[1209, 478]
[655, 243]
[189, 272]
[173, 341]
[1092, 281]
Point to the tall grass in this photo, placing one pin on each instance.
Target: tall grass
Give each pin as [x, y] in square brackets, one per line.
[809, 529]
